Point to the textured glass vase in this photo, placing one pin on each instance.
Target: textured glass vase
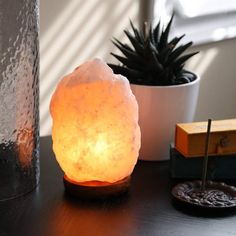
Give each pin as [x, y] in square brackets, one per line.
[19, 118]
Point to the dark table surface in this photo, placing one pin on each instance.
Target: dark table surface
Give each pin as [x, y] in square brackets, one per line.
[146, 210]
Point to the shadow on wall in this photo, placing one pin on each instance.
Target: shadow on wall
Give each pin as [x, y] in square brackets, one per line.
[216, 66]
[75, 31]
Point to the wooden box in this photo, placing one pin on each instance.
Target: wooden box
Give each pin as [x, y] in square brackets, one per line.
[190, 138]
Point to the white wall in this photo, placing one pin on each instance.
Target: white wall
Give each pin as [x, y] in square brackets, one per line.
[73, 31]
[216, 64]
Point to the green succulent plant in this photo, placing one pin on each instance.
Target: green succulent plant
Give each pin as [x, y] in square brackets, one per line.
[153, 59]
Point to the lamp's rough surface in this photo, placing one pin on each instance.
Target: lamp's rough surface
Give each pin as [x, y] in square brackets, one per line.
[96, 136]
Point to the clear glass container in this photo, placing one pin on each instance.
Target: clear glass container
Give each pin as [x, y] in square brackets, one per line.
[19, 97]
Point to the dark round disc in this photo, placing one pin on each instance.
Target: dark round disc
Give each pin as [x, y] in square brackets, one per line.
[216, 195]
[96, 189]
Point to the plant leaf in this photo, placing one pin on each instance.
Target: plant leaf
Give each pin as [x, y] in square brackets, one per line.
[172, 44]
[117, 69]
[137, 46]
[177, 52]
[126, 62]
[164, 55]
[165, 34]
[157, 64]
[184, 58]
[129, 53]
[126, 46]
[136, 33]
[151, 35]
[156, 34]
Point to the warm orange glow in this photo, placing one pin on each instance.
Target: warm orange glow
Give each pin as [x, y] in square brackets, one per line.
[25, 146]
[95, 133]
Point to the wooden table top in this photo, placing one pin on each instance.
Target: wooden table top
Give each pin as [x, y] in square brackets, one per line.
[146, 210]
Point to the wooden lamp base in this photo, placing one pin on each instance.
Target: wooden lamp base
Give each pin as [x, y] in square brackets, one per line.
[96, 189]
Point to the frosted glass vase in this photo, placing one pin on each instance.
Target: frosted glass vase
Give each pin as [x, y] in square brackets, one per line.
[19, 96]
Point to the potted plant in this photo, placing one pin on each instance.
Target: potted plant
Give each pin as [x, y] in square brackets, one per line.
[166, 93]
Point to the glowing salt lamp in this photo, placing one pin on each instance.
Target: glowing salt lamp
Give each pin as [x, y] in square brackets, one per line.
[96, 136]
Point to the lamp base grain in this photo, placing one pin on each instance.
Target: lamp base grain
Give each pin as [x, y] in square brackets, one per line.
[96, 189]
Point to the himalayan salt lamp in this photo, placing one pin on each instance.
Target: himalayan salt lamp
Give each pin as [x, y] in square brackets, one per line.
[96, 136]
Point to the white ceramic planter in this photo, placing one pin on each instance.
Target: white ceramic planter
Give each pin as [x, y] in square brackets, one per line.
[160, 108]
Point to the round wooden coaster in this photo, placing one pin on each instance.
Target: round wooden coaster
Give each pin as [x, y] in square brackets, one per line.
[96, 189]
